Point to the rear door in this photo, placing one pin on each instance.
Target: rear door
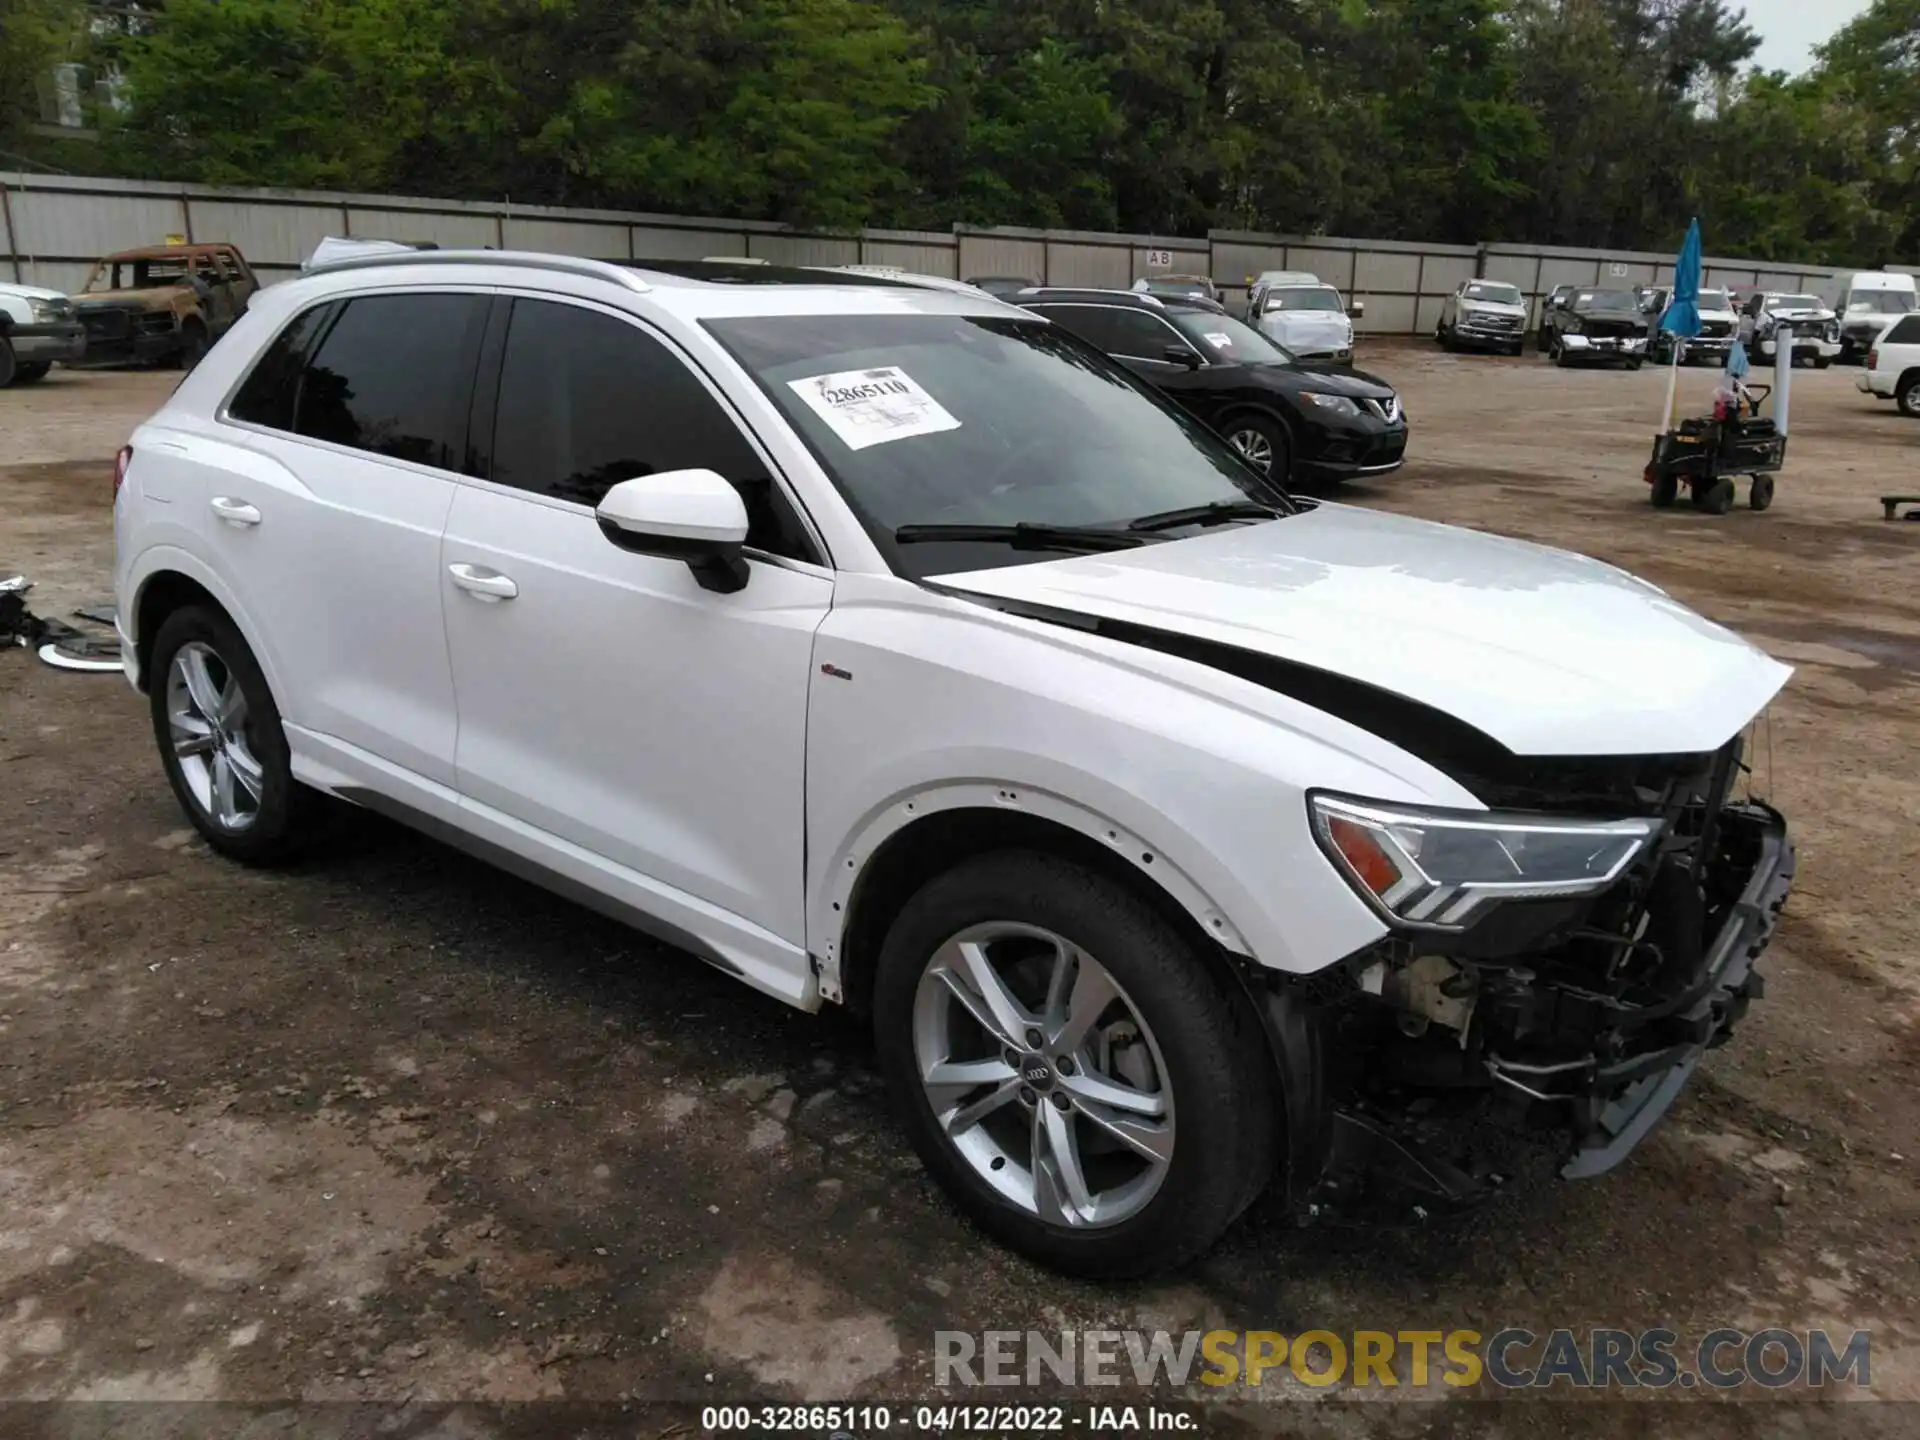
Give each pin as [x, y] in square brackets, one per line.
[327, 516]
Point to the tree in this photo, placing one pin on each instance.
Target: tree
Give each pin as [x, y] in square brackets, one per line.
[340, 94]
[768, 109]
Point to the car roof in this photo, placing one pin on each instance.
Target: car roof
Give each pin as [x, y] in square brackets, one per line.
[1127, 299]
[169, 252]
[691, 289]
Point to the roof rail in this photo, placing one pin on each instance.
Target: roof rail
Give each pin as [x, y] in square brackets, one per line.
[525, 259]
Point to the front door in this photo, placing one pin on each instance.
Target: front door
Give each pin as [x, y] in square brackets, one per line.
[608, 703]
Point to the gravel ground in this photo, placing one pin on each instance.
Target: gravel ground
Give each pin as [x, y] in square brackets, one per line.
[394, 1127]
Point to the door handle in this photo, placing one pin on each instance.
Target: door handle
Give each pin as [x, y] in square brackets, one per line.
[235, 512]
[486, 584]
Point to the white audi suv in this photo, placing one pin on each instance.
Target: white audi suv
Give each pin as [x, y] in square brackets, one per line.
[890, 647]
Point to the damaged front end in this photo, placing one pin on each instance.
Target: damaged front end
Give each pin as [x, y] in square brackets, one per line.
[1549, 966]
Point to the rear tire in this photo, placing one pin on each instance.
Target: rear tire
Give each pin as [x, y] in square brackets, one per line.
[236, 785]
[1907, 396]
[1666, 489]
[1760, 496]
[1196, 1050]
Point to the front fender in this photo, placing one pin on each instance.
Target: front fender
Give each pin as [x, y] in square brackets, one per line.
[1197, 778]
[839, 874]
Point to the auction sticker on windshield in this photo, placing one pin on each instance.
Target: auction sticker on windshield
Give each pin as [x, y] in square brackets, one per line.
[872, 407]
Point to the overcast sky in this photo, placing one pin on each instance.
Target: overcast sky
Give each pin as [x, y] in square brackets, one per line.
[1789, 29]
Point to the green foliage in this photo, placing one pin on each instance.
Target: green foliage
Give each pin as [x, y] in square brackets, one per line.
[1578, 122]
[330, 94]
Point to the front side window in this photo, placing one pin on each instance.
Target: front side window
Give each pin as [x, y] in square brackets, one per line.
[588, 400]
[391, 377]
[1142, 336]
[975, 420]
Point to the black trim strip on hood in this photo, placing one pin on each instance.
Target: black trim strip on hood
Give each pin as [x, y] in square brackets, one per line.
[1495, 774]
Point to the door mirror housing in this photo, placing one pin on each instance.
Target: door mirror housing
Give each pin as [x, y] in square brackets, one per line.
[691, 515]
[1357, 310]
[1182, 356]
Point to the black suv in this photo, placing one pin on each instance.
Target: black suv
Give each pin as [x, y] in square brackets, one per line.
[1292, 419]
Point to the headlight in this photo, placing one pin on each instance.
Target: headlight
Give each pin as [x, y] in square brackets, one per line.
[1338, 404]
[45, 312]
[1442, 869]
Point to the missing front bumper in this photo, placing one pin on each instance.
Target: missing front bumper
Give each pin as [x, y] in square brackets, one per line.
[1371, 1100]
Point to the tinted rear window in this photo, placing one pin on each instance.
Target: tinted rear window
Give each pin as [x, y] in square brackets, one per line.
[392, 377]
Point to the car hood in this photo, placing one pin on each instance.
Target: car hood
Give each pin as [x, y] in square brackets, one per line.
[1308, 330]
[152, 297]
[1632, 314]
[1330, 377]
[1547, 652]
[32, 292]
[1493, 308]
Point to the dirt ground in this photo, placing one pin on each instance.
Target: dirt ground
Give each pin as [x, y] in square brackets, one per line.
[394, 1127]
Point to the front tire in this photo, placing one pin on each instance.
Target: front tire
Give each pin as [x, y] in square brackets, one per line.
[222, 743]
[29, 374]
[1715, 498]
[9, 366]
[1264, 444]
[1085, 1084]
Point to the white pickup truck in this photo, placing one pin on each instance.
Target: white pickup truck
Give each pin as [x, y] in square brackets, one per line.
[38, 330]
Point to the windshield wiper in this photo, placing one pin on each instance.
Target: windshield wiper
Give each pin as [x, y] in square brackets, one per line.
[1218, 512]
[1087, 538]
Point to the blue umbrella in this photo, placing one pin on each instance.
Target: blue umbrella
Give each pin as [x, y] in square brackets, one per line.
[1682, 319]
[1683, 315]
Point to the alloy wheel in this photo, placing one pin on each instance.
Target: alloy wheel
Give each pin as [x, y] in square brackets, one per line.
[207, 719]
[1043, 1075]
[1254, 447]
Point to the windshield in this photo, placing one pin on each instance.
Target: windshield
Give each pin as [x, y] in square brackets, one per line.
[1606, 300]
[956, 419]
[1493, 294]
[1714, 300]
[1306, 297]
[1881, 302]
[1796, 302]
[1227, 339]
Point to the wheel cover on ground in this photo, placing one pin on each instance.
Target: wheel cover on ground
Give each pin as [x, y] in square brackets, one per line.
[1043, 1075]
[206, 721]
[1254, 447]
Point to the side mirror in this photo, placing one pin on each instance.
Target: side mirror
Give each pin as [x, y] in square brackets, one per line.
[1180, 355]
[1358, 310]
[690, 515]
